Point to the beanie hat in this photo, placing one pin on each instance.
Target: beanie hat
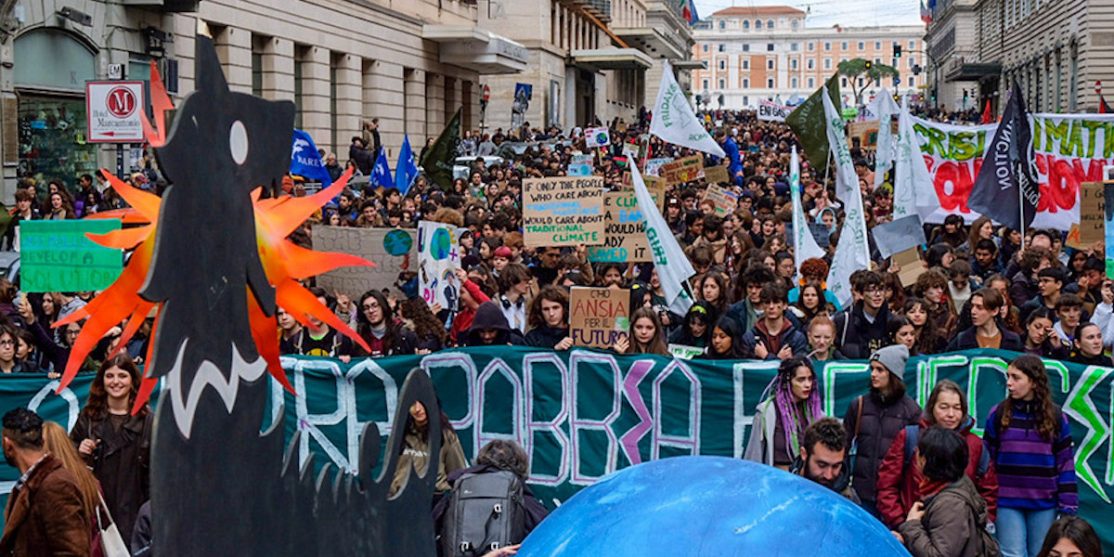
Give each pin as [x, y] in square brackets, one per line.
[893, 357]
[503, 251]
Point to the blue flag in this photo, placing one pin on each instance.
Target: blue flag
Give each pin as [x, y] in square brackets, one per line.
[405, 171]
[305, 160]
[381, 174]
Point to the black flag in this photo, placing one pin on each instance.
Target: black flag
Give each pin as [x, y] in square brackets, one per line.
[1006, 188]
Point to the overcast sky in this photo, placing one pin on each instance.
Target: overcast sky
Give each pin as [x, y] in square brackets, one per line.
[825, 13]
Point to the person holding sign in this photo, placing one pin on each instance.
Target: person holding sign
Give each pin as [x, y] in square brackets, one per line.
[646, 335]
[549, 320]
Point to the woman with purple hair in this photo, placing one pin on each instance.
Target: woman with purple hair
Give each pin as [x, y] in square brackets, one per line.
[790, 404]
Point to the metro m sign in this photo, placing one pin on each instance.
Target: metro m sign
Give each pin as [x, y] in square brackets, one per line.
[113, 110]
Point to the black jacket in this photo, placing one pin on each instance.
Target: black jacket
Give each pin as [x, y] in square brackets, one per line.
[880, 423]
[489, 316]
[856, 337]
[967, 339]
[546, 337]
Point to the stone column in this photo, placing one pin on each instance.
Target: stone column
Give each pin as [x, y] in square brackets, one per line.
[278, 69]
[384, 98]
[234, 51]
[435, 103]
[316, 117]
[349, 116]
[414, 122]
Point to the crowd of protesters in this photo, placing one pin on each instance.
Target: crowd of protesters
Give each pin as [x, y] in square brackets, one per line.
[920, 471]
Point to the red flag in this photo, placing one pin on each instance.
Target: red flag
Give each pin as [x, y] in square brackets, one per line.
[987, 114]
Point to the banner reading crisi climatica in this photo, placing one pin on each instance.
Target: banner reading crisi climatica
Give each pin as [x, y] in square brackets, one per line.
[582, 414]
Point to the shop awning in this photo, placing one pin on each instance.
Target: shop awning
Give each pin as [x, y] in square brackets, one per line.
[972, 72]
[477, 49]
[612, 59]
[649, 40]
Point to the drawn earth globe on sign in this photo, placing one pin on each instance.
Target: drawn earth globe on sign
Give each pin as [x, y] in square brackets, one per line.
[398, 242]
[601, 138]
[441, 244]
[700, 505]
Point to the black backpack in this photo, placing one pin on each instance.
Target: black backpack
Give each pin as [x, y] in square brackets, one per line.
[485, 512]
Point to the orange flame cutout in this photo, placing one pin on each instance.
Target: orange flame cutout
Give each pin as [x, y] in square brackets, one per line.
[284, 262]
[160, 103]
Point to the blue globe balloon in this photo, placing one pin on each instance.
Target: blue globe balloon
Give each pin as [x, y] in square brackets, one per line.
[701, 505]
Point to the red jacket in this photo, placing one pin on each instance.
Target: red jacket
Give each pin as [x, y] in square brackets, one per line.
[900, 484]
[463, 320]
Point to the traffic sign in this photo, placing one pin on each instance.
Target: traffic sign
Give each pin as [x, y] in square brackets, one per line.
[113, 111]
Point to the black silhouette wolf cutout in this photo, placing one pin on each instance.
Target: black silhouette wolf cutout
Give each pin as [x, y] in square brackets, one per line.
[220, 487]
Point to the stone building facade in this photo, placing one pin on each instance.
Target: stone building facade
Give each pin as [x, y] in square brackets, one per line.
[769, 52]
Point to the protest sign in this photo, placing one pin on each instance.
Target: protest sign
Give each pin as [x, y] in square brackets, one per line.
[598, 316]
[597, 137]
[716, 175]
[57, 256]
[772, 111]
[581, 165]
[911, 267]
[594, 412]
[899, 235]
[953, 155]
[392, 250]
[1108, 227]
[625, 227]
[685, 352]
[683, 170]
[653, 166]
[724, 199]
[865, 134]
[563, 211]
[438, 260]
[1092, 220]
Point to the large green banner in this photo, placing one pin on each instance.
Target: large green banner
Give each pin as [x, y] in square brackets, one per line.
[582, 414]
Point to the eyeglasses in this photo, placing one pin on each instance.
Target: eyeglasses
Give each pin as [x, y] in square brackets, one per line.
[370, 305]
[7, 343]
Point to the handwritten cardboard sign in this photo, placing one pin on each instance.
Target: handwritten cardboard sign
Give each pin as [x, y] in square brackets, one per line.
[563, 211]
[57, 256]
[1092, 219]
[392, 250]
[599, 316]
[716, 175]
[683, 170]
[724, 199]
[625, 227]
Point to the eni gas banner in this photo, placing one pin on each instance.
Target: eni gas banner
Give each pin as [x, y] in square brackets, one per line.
[1070, 149]
[582, 414]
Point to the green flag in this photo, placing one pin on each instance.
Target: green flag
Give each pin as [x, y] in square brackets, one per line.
[808, 122]
[439, 158]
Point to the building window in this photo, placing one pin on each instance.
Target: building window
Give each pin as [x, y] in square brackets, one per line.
[794, 47]
[811, 64]
[912, 45]
[769, 64]
[793, 82]
[769, 47]
[770, 24]
[722, 24]
[910, 81]
[811, 45]
[877, 60]
[746, 47]
[861, 82]
[770, 83]
[705, 48]
[746, 101]
[827, 63]
[862, 45]
[793, 64]
[877, 45]
[746, 64]
[794, 24]
[827, 45]
[746, 25]
[746, 84]
[811, 83]
[721, 47]
[912, 62]
[705, 83]
[723, 64]
[721, 84]
[843, 45]
[843, 82]
[757, 24]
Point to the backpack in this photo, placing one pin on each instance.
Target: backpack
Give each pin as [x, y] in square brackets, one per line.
[988, 545]
[485, 512]
[911, 432]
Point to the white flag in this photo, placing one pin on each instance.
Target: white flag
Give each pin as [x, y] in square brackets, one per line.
[673, 267]
[852, 252]
[674, 120]
[884, 107]
[804, 245]
[911, 177]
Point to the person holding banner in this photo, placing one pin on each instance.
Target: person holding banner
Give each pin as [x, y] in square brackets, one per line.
[549, 320]
[790, 404]
[1030, 444]
[645, 336]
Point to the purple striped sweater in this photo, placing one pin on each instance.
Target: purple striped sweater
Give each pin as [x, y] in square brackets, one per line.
[1033, 473]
